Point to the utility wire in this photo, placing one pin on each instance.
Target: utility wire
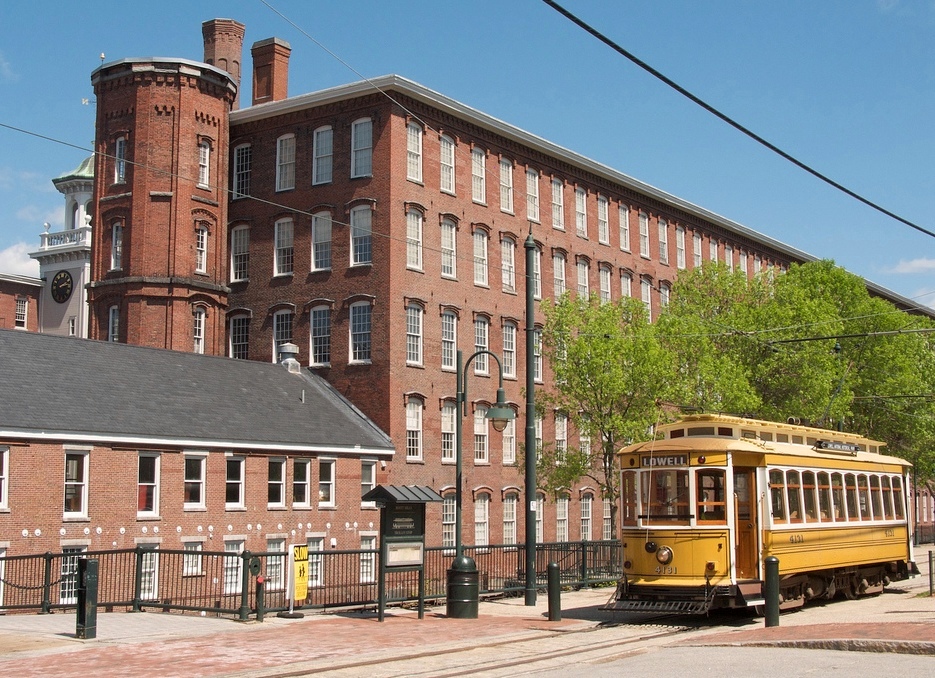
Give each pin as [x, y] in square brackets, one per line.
[730, 121]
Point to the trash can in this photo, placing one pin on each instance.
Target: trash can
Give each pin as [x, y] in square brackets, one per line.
[463, 592]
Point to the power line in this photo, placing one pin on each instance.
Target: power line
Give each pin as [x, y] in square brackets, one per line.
[730, 121]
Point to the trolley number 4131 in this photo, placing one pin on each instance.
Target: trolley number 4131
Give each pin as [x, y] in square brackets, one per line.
[666, 569]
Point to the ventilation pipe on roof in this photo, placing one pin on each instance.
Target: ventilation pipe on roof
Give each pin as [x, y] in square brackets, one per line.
[287, 354]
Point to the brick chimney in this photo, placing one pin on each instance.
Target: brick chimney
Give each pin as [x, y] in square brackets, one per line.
[224, 48]
[270, 70]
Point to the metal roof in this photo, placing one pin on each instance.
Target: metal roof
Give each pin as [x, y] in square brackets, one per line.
[398, 494]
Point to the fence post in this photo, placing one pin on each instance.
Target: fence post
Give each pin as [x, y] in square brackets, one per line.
[138, 580]
[47, 585]
[244, 611]
[584, 564]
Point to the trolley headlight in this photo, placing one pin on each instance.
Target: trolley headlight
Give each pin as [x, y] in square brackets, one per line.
[664, 555]
[650, 547]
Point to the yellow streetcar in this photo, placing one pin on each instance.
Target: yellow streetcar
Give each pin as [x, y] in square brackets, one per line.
[703, 507]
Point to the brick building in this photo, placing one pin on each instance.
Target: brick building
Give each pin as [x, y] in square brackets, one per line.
[19, 302]
[379, 226]
[204, 453]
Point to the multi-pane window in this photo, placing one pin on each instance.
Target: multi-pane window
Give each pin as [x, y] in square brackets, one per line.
[198, 329]
[509, 442]
[116, 246]
[285, 162]
[537, 427]
[201, 248]
[449, 339]
[368, 479]
[696, 250]
[4, 477]
[742, 260]
[234, 483]
[757, 263]
[607, 531]
[448, 520]
[558, 274]
[147, 495]
[120, 160]
[446, 152]
[192, 559]
[581, 212]
[537, 356]
[413, 152]
[506, 185]
[586, 501]
[623, 214]
[276, 483]
[558, 204]
[507, 265]
[663, 295]
[729, 257]
[449, 412]
[322, 156]
[194, 482]
[603, 223]
[321, 336]
[204, 164]
[540, 514]
[644, 235]
[321, 241]
[481, 455]
[537, 274]
[561, 518]
[233, 565]
[509, 349]
[284, 254]
[663, 241]
[243, 161]
[712, 249]
[414, 239]
[479, 175]
[646, 289]
[326, 468]
[561, 436]
[240, 337]
[113, 323]
[480, 257]
[605, 284]
[449, 249]
[301, 483]
[282, 331]
[21, 312]
[532, 195]
[481, 343]
[482, 519]
[68, 574]
[509, 518]
[360, 332]
[584, 289]
[240, 253]
[414, 334]
[414, 408]
[361, 148]
[361, 235]
[680, 247]
[275, 565]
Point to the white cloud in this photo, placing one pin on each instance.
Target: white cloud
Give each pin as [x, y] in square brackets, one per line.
[15, 260]
[921, 265]
[6, 70]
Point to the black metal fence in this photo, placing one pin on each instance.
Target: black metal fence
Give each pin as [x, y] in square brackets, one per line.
[221, 582]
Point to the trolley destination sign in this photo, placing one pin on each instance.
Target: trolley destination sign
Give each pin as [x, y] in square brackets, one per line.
[668, 460]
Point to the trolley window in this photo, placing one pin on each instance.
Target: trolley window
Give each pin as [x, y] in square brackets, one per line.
[837, 496]
[824, 496]
[850, 493]
[792, 492]
[876, 501]
[777, 492]
[808, 496]
[665, 496]
[898, 502]
[887, 498]
[628, 494]
[712, 505]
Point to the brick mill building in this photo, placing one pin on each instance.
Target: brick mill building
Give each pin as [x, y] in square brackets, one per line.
[379, 226]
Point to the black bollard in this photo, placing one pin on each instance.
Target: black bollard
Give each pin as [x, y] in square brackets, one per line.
[260, 598]
[772, 591]
[555, 593]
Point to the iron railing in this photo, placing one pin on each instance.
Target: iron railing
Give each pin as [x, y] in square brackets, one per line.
[221, 582]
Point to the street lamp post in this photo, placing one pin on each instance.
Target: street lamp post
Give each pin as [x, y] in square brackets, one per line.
[462, 595]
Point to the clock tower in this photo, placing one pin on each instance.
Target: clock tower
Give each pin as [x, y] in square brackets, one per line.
[65, 258]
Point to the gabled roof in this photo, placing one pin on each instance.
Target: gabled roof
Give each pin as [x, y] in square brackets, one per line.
[402, 494]
[61, 388]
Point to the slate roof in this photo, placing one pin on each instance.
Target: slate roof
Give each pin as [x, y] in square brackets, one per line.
[80, 390]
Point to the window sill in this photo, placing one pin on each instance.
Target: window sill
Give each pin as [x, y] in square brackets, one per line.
[360, 362]
[415, 269]
[415, 460]
[418, 366]
[234, 508]
[240, 280]
[290, 274]
[195, 509]
[362, 264]
[446, 192]
[75, 519]
[276, 507]
[417, 182]
[479, 202]
[147, 517]
[327, 507]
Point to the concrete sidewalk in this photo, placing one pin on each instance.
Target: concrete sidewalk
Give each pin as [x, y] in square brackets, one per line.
[169, 644]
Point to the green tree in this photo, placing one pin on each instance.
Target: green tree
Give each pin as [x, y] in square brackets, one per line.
[609, 374]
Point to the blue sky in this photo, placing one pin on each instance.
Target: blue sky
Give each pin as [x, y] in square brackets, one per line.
[847, 86]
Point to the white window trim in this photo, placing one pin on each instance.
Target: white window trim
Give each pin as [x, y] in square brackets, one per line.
[281, 462]
[239, 504]
[307, 463]
[414, 152]
[81, 482]
[331, 481]
[359, 151]
[319, 176]
[284, 164]
[202, 458]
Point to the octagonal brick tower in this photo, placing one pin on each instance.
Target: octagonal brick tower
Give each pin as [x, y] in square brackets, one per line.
[159, 260]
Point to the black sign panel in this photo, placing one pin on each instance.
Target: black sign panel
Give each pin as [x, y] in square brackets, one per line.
[405, 521]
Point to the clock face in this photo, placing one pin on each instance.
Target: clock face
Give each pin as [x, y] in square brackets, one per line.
[62, 286]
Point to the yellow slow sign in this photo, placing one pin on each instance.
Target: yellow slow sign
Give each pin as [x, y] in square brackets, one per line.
[300, 572]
